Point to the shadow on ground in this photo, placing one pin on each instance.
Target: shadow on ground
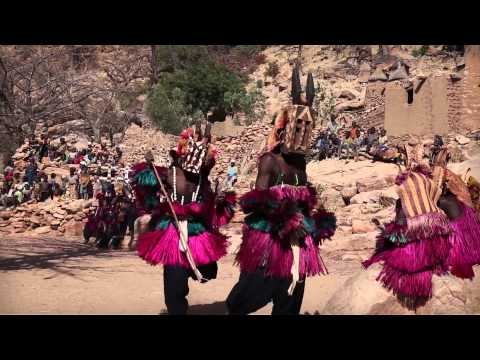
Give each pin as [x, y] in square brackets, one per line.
[46, 253]
[216, 308]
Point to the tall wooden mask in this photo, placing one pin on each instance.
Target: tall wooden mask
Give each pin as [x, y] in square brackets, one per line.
[299, 128]
[301, 117]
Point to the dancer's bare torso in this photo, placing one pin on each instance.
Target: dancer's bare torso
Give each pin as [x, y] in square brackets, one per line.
[276, 168]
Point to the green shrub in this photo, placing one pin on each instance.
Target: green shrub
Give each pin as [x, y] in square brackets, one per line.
[168, 111]
[272, 70]
[420, 52]
[236, 121]
[247, 50]
[205, 85]
[128, 96]
[259, 84]
[172, 57]
[325, 101]
[251, 103]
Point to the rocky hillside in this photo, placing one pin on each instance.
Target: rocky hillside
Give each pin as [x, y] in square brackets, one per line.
[341, 77]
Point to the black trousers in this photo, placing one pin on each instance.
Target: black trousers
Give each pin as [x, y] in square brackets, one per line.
[44, 196]
[175, 285]
[255, 290]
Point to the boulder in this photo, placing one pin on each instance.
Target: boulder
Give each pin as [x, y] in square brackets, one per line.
[59, 211]
[455, 77]
[58, 216]
[371, 184]
[472, 150]
[461, 168]
[350, 94]
[349, 192]
[332, 199]
[5, 215]
[433, 51]
[453, 296]
[55, 224]
[359, 295]
[73, 228]
[41, 230]
[361, 227]
[78, 126]
[81, 144]
[18, 224]
[462, 140]
[79, 216]
[78, 205]
[368, 197]
[389, 196]
[35, 220]
[400, 73]
[378, 75]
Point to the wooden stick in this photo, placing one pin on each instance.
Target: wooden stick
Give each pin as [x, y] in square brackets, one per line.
[187, 249]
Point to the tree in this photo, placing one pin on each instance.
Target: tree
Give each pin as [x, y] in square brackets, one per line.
[169, 111]
[208, 90]
[204, 84]
[169, 58]
[34, 87]
[128, 74]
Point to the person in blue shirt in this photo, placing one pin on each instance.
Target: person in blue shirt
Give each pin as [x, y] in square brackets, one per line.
[322, 146]
[232, 173]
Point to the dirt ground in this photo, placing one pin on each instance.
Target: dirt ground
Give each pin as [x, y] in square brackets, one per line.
[42, 275]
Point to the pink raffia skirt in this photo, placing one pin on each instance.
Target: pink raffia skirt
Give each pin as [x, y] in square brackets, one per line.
[408, 267]
[465, 244]
[162, 247]
[259, 248]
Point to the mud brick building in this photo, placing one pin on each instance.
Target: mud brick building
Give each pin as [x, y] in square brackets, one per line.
[442, 104]
[420, 110]
[470, 117]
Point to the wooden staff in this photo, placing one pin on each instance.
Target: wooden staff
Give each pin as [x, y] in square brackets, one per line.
[184, 241]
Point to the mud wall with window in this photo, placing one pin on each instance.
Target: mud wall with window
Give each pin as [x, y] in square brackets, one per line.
[420, 111]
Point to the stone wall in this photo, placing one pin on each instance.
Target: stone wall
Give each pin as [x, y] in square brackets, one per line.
[426, 115]
[454, 94]
[471, 89]
[375, 106]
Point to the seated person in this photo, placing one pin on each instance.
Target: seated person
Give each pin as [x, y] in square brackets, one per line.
[322, 146]
[347, 144]
[383, 140]
[372, 138]
[27, 189]
[18, 193]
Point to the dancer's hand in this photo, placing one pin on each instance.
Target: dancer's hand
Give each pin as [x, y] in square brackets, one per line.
[220, 198]
[297, 236]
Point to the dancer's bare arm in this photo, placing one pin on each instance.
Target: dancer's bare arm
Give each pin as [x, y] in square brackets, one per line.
[265, 172]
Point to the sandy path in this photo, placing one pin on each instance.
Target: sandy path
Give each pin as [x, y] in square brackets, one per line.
[41, 275]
